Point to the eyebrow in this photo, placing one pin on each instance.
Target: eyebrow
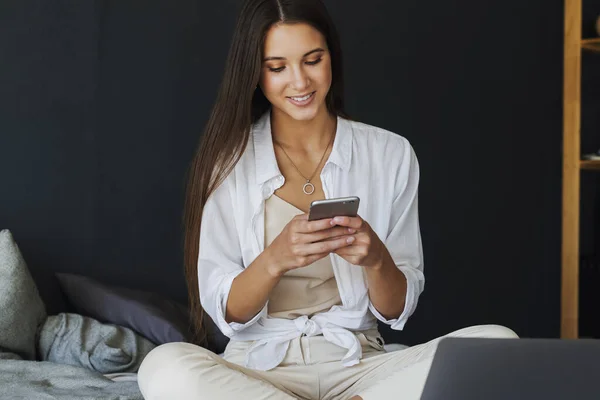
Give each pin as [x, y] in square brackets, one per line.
[306, 55]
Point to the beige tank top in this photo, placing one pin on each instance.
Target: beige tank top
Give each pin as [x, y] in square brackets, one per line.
[302, 291]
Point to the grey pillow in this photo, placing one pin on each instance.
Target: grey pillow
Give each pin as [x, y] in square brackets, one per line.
[76, 340]
[22, 310]
[158, 319]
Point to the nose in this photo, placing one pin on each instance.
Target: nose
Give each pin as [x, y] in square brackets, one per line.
[300, 80]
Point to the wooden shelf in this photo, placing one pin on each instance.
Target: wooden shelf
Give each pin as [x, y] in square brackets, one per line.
[569, 325]
[591, 44]
[572, 164]
[590, 164]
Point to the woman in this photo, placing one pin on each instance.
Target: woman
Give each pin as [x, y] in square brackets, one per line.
[300, 300]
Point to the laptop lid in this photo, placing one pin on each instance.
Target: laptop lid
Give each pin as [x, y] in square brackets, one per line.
[501, 369]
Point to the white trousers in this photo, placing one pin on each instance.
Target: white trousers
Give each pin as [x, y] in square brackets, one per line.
[310, 370]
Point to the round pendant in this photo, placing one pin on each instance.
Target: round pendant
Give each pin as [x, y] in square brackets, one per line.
[308, 188]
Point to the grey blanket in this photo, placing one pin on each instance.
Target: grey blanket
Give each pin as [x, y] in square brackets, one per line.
[76, 352]
[80, 341]
[43, 380]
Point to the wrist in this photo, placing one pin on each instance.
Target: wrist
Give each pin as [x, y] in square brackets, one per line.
[271, 266]
[382, 261]
[378, 266]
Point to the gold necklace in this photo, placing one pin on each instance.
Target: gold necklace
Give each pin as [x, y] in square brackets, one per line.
[308, 187]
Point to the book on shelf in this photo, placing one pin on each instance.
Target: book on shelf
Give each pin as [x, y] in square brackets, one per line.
[591, 156]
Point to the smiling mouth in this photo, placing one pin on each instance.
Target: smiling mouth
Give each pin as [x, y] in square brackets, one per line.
[302, 101]
[301, 98]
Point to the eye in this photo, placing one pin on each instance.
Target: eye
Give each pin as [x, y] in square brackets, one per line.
[280, 69]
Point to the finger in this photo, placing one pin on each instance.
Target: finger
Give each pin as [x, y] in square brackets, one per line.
[327, 246]
[349, 222]
[347, 251]
[328, 234]
[315, 257]
[306, 226]
[342, 252]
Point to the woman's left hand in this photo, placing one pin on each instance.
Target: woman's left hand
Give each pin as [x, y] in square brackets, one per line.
[367, 250]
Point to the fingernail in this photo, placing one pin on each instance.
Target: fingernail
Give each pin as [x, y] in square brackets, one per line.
[351, 230]
[350, 239]
[332, 222]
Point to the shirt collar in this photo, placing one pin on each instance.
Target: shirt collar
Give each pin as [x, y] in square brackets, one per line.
[264, 153]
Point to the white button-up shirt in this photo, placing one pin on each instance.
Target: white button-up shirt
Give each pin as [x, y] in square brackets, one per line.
[376, 165]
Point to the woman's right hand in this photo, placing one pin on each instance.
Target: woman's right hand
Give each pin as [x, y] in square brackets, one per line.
[302, 242]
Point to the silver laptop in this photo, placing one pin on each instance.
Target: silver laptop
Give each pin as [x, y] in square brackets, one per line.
[514, 369]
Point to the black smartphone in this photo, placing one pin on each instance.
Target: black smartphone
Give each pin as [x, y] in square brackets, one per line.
[329, 208]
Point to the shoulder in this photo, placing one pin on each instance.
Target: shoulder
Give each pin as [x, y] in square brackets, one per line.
[244, 169]
[380, 144]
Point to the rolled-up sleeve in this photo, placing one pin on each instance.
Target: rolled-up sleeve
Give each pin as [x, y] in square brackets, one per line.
[403, 240]
[220, 259]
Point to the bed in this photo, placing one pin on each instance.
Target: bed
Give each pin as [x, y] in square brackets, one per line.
[91, 350]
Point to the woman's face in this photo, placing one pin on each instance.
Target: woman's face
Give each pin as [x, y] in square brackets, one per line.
[296, 71]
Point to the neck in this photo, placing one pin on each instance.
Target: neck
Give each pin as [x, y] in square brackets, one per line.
[312, 135]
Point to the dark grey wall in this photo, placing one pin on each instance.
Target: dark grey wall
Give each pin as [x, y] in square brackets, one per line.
[102, 104]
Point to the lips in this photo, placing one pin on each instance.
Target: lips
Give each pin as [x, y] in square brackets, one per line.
[303, 100]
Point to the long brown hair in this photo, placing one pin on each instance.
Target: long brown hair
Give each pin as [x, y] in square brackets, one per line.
[239, 104]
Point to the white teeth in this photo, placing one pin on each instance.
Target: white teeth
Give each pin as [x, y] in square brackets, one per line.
[302, 98]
